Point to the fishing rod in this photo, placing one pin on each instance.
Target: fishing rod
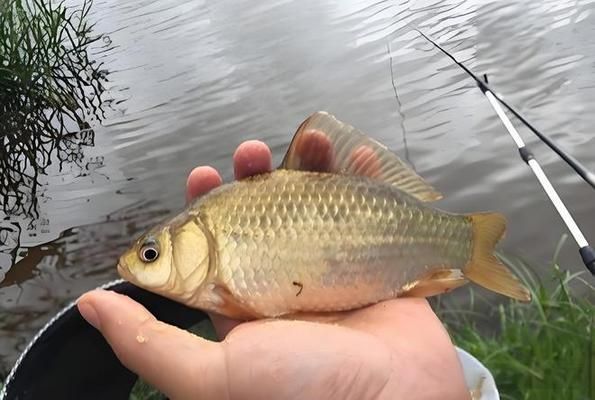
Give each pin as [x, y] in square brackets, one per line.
[586, 251]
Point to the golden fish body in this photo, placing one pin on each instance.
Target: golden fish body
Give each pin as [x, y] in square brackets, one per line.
[295, 240]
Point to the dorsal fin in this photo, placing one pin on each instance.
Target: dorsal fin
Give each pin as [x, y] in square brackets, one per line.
[325, 144]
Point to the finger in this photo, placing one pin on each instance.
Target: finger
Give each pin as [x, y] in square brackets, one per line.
[387, 317]
[223, 325]
[380, 317]
[365, 162]
[201, 180]
[157, 352]
[250, 158]
[315, 151]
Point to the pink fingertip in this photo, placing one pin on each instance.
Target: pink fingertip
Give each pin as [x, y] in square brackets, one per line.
[201, 180]
[251, 158]
[315, 151]
[366, 162]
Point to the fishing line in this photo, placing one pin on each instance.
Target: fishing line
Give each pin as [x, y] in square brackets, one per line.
[586, 251]
[399, 107]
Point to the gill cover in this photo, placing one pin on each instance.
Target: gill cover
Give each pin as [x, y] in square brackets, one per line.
[190, 245]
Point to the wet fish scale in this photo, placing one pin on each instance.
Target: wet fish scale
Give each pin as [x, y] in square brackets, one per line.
[332, 233]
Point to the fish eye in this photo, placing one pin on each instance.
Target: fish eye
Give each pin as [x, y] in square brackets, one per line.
[149, 252]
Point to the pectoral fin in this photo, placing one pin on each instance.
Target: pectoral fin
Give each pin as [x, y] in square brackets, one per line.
[324, 144]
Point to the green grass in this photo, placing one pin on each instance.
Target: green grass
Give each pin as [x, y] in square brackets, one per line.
[542, 350]
[49, 91]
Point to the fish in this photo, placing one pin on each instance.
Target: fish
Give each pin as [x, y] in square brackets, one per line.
[343, 223]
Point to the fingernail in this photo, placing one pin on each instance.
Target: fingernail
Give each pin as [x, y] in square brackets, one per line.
[89, 314]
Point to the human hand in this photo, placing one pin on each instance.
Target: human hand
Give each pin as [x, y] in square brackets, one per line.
[397, 349]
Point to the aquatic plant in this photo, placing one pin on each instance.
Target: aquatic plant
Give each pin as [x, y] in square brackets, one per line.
[50, 90]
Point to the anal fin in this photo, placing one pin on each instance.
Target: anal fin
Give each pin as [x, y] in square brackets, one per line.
[435, 282]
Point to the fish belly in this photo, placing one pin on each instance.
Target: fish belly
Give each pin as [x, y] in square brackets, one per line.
[297, 241]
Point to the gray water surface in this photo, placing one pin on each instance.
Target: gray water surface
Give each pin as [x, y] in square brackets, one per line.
[190, 80]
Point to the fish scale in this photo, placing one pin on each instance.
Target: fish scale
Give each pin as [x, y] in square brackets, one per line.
[334, 233]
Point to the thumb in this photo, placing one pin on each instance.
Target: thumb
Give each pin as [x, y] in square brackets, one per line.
[178, 363]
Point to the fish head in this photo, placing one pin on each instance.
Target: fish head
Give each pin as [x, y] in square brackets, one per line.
[171, 260]
[148, 262]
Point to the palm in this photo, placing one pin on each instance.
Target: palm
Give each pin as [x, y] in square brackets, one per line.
[373, 353]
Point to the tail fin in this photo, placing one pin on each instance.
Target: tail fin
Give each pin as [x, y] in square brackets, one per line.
[484, 268]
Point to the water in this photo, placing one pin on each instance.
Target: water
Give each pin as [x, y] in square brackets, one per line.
[190, 80]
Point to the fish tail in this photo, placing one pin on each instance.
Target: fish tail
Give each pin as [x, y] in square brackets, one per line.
[484, 268]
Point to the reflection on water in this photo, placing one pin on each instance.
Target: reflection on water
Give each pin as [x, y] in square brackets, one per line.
[10, 233]
[189, 80]
[47, 277]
